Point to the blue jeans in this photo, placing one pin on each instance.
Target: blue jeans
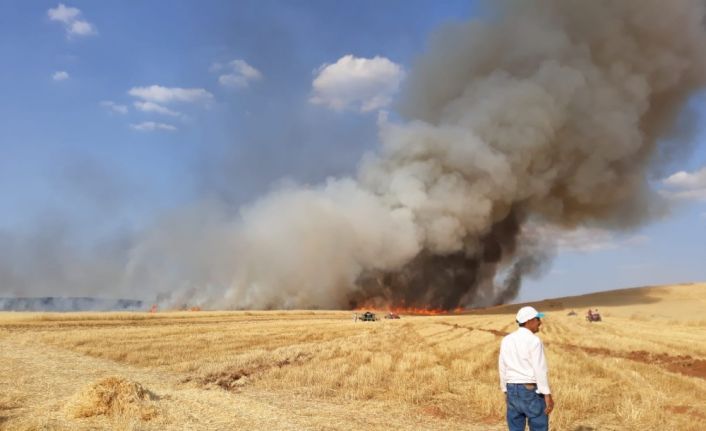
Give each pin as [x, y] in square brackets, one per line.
[525, 405]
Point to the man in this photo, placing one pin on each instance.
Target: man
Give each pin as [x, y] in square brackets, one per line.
[523, 375]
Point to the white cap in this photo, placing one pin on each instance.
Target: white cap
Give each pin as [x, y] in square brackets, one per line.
[527, 313]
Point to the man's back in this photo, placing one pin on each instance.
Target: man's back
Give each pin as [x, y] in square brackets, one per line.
[522, 360]
[523, 374]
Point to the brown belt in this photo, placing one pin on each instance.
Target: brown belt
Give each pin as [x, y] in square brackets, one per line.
[530, 386]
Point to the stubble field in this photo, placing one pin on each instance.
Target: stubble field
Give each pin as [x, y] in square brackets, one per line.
[643, 367]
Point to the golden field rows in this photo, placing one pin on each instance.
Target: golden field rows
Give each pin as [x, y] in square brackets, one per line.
[644, 367]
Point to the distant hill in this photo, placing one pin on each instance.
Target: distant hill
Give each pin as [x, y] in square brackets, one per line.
[51, 303]
[678, 301]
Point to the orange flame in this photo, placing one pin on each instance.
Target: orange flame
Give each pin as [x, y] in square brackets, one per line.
[411, 311]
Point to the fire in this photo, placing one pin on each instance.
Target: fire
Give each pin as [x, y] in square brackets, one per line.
[412, 311]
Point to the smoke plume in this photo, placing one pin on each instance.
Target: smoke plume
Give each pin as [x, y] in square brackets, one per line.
[545, 112]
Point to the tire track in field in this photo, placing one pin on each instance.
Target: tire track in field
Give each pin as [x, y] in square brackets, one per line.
[495, 332]
[651, 336]
[682, 364]
[450, 335]
[483, 353]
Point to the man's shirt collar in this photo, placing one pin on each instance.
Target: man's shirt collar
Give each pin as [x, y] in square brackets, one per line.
[522, 328]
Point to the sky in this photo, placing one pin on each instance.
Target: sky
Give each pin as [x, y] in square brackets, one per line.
[115, 113]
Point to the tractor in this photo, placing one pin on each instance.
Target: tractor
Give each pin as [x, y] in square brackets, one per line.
[368, 317]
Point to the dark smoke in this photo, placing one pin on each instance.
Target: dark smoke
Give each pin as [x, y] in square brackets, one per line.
[447, 281]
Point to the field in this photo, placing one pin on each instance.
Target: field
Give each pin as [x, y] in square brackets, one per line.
[643, 367]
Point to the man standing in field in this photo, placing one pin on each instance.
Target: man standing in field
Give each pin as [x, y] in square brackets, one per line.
[523, 375]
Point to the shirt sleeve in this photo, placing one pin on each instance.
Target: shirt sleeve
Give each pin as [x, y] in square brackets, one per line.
[539, 364]
[501, 370]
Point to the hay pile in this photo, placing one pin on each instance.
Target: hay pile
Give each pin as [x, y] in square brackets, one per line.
[114, 397]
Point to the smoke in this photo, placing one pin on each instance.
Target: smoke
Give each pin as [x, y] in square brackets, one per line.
[547, 112]
[54, 304]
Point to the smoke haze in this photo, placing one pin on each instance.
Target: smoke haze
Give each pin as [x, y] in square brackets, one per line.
[548, 112]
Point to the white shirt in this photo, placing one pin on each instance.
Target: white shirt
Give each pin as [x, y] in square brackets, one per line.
[522, 360]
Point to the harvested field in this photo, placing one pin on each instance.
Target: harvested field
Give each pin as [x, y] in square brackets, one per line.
[641, 368]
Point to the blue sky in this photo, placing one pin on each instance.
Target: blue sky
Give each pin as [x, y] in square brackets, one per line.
[87, 138]
[49, 123]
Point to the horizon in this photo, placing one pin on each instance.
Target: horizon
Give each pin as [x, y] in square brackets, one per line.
[74, 304]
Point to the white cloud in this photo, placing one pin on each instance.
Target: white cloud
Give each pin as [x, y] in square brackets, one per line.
[365, 84]
[82, 28]
[583, 239]
[241, 74]
[63, 14]
[60, 75]
[686, 179]
[159, 94]
[156, 108]
[69, 17]
[686, 185]
[114, 107]
[150, 126]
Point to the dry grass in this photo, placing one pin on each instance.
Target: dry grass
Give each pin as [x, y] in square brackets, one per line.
[113, 396]
[642, 368]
